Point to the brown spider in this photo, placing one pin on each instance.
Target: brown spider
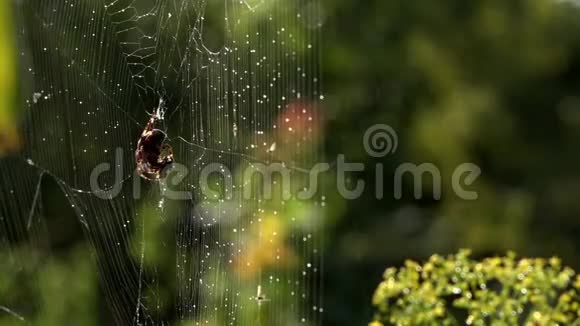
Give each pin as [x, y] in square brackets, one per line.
[152, 155]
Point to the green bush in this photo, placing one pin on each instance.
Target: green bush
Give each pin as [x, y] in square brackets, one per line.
[458, 290]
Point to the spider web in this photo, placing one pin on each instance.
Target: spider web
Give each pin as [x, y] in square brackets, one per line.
[238, 83]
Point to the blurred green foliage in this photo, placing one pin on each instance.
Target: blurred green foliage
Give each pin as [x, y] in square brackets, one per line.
[457, 290]
[491, 82]
[8, 109]
[55, 290]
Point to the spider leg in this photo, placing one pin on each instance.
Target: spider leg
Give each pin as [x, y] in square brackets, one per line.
[161, 131]
[160, 111]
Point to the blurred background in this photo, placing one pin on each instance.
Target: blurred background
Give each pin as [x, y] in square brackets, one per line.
[491, 82]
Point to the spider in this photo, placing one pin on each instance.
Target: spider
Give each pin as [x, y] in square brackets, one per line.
[152, 155]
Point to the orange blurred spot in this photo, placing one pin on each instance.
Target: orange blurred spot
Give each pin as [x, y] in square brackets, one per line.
[268, 248]
[300, 122]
